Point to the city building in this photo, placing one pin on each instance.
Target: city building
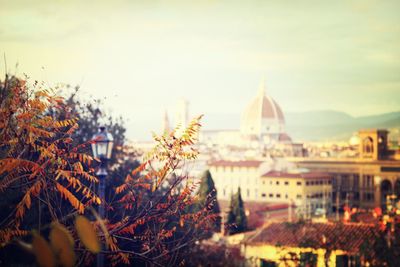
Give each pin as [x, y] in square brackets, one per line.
[228, 176]
[310, 192]
[263, 119]
[291, 244]
[364, 180]
[262, 128]
[260, 181]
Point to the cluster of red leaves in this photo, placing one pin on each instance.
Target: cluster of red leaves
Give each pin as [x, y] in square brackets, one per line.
[37, 155]
[152, 214]
[156, 198]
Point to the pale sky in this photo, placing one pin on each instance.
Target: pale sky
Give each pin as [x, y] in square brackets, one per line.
[143, 57]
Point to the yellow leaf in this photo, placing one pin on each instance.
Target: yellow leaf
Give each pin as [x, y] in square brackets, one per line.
[63, 245]
[87, 234]
[41, 249]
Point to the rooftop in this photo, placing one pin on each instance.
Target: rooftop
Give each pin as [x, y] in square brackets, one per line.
[304, 175]
[260, 212]
[348, 237]
[241, 163]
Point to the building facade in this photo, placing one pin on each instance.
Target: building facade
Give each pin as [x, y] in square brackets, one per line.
[364, 181]
[228, 176]
[306, 191]
[309, 192]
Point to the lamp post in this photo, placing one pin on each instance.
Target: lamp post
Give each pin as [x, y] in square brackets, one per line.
[102, 147]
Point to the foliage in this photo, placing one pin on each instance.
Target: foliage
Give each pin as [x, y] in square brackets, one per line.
[87, 234]
[43, 252]
[39, 165]
[62, 243]
[43, 166]
[60, 251]
[237, 220]
[91, 115]
[384, 250]
[207, 198]
[157, 222]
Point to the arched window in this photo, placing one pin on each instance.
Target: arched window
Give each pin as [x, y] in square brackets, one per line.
[368, 145]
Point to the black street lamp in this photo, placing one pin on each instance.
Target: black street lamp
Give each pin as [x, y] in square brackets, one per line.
[102, 147]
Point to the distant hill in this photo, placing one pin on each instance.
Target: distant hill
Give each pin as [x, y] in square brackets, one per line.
[314, 125]
[334, 125]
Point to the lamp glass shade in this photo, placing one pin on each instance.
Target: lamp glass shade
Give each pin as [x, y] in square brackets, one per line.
[102, 144]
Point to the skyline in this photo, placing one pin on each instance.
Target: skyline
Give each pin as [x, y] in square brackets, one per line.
[314, 56]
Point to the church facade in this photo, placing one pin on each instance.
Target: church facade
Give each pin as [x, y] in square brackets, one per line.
[262, 127]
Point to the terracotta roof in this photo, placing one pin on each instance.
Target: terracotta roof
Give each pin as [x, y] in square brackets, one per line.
[279, 111]
[285, 137]
[260, 212]
[306, 175]
[242, 163]
[256, 205]
[347, 237]
[268, 107]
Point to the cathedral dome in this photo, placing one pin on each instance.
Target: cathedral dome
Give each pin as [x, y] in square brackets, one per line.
[262, 116]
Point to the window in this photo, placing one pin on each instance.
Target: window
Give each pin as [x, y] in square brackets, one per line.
[347, 261]
[356, 181]
[368, 196]
[271, 195]
[286, 183]
[308, 259]
[307, 183]
[277, 182]
[264, 195]
[266, 263]
[298, 183]
[298, 196]
[278, 195]
[248, 192]
[223, 192]
[368, 145]
[286, 196]
[368, 181]
[345, 183]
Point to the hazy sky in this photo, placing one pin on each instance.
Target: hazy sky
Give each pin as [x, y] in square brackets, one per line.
[340, 55]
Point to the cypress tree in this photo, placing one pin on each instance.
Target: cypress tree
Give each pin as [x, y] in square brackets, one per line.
[237, 220]
[208, 199]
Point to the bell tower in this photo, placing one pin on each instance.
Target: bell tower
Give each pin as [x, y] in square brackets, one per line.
[373, 144]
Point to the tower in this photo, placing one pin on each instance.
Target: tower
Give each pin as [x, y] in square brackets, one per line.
[373, 144]
[165, 125]
[182, 113]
